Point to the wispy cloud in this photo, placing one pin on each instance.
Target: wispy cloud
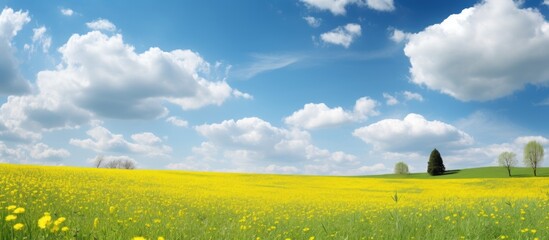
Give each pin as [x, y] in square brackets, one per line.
[264, 63]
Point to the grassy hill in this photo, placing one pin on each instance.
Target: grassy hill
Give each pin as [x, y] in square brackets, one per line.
[482, 172]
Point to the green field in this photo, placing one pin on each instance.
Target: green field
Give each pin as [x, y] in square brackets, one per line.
[483, 172]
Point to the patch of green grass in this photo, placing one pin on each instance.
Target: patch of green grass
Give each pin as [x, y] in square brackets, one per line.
[482, 172]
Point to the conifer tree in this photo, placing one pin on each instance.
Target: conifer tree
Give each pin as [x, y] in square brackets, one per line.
[435, 166]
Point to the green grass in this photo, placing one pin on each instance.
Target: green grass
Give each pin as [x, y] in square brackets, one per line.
[482, 172]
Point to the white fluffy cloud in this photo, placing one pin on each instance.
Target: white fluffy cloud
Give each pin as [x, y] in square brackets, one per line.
[411, 134]
[67, 12]
[409, 96]
[8, 154]
[42, 151]
[32, 153]
[390, 99]
[317, 115]
[101, 76]
[485, 52]
[39, 38]
[337, 7]
[399, 36]
[252, 144]
[101, 25]
[11, 81]
[312, 21]
[342, 35]
[103, 141]
[546, 2]
[177, 122]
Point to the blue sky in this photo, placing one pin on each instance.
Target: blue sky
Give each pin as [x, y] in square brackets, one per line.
[307, 86]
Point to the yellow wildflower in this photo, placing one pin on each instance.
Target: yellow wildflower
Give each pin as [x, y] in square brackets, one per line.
[161, 238]
[139, 238]
[95, 222]
[18, 226]
[306, 229]
[64, 229]
[10, 218]
[44, 221]
[11, 207]
[19, 210]
[59, 221]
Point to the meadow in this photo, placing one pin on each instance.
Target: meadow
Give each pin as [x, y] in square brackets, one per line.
[39, 202]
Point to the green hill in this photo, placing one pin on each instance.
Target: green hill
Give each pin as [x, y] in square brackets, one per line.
[482, 172]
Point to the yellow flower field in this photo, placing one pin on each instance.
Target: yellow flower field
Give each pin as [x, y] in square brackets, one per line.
[85, 203]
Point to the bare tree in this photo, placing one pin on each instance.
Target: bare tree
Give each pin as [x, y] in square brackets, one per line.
[112, 164]
[98, 161]
[126, 164]
[507, 160]
[115, 162]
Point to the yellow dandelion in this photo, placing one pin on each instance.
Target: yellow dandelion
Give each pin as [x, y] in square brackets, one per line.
[139, 238]
[112, 209]
[306, 229]
[64, 229]
[533, 230]
[161, 238]
[18, 226]
[312, 238]
[19, 210]
[44, 221]
[95, 222]
[59, 221]
[10, 218]
[11, 207]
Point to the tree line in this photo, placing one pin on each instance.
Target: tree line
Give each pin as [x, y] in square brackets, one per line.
[533, 157]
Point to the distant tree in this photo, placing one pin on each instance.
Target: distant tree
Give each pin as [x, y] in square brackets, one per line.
[98, 161]
[119, 163]
[507, 160]
[435, 166]
[533, 155]
[127, 164]
[401, 168]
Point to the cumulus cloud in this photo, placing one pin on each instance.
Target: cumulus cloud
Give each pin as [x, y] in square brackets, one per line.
[390, 99]
[411, 134]
[42, 151]
[39, 38]
[399, 36]
[485, 52]
[101, 76]
[11, 81]
[8, 154]
[177, 122]
[32, 153]
[101, 25]
[252, 144]
[342, 35]
[103, 141]
[337, 7]
[317, 115]
[312, 21]
[409, 96]
[67, 12]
